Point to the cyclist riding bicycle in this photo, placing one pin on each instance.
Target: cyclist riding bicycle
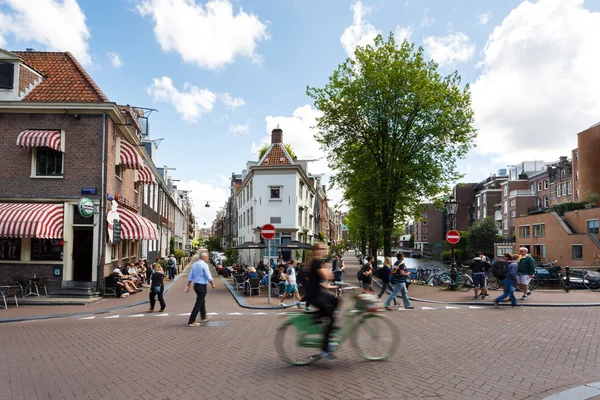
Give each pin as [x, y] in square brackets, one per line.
[318, 297]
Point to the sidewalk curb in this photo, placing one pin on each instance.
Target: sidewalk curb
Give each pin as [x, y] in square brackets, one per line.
[242, 301]
[104, 311]
[491, 304]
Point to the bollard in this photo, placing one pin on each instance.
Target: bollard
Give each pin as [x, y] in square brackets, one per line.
[567, 278]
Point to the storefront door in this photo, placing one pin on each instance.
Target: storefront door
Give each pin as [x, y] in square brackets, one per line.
[83, 245]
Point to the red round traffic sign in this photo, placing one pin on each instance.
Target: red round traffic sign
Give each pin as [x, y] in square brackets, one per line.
[453, 237]
[267, 231]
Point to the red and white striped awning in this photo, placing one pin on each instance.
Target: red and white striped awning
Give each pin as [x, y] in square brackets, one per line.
[127, 156]
[146, 176]
[41, 138]
[134, 226]
[31, 220]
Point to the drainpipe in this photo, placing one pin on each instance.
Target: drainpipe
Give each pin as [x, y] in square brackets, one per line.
[102, 204]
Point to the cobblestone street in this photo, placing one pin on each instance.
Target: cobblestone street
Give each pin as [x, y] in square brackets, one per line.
[446, 352]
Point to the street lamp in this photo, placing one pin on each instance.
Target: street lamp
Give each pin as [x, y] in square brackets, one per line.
[451, 206]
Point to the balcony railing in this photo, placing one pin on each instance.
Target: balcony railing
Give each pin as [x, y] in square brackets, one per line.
[521, 192]
[536, 210]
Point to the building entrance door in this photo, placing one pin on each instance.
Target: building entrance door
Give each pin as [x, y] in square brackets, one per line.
[83, 244]
[286, 254]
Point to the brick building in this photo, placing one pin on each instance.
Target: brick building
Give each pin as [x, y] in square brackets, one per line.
[586, 163]
[428, 233]
[63, 140]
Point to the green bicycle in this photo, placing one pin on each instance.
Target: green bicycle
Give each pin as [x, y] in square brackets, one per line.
[373, 336]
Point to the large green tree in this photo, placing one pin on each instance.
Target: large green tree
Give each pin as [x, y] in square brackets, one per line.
[404, 125]
[482, 236]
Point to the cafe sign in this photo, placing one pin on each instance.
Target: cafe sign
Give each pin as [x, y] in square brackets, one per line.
[126, 202]
[86, 207]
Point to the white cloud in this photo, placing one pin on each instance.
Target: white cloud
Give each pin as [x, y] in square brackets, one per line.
[484, 18]
[402, 33]
[426, 21]
[190, 103]
[210, 36]
[233, 102]
[115, 59]
[360, 33]
[455, 47]
[238, 128]
[57, 25]
[539, 84]
[216, 193]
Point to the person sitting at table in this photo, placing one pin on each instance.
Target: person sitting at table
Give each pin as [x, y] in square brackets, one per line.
[128, 279]
[250, 274]
[114, 280]
[277, 279]
[132, 272]
[261, 266]
[141, 271]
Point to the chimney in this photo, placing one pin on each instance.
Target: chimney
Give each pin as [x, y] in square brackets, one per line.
[277, 135]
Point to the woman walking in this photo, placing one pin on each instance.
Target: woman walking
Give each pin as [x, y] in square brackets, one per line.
[157, 288]
[385, 278]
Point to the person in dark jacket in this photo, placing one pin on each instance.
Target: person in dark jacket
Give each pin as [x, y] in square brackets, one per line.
[385, 278]
[157, 288]
[480, 266]
[510, 280]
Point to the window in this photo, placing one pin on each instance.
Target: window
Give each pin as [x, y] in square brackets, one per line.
[424, 230]
[576, 175]
[146, 193]
[48, 162]
[424, 237]
[424, 223]
[576, 156]
[7, 75]
[47, 249]
[513, 202]
[539, 230]
[478, 201]
[539, 251]
[592, 227]
[484, 198]
[533, 188]
[505, 222]
[10, 249]
[569, 187]
[577, 252]
[478, 214]
[546, 201]
[119, 172]
[505, 190]
[562, 174]
[524, 231]
[564, 189]
[251, 216]
[275, 192]
[114, 252]
[136, 187]
[557, 190]
[539, 202]
[539, 186]
[546, 184]
[513, 214]
[505, 207]
[501, 250]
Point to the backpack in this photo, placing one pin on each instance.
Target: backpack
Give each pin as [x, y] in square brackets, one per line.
[379, 273]
[360, 275]
[500, 269]
[171, 262]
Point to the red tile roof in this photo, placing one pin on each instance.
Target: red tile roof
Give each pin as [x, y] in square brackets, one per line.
[65, 80]
[277, 155]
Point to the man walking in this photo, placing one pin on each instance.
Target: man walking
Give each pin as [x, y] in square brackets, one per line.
[480, 267]
[201, 277]
[526, 271]
[172, 264]
[336, 268]
[508, 274]
[401, 275]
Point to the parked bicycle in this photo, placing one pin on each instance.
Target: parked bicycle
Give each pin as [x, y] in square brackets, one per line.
[463, 281]
[554, 276]
[372, 335]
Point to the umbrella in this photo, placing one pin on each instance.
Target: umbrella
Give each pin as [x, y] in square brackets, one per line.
[250, 245]
[294, 244]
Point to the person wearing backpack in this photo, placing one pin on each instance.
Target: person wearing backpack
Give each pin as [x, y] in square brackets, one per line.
[400, 276]
[171, 263]
[385, 275]
[507, 268]
[480, 266]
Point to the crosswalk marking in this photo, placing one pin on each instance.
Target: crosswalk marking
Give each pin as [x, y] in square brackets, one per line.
[135, 315]
[475, 307]
[428, 308]
[112, 316]
[452, 308]
[88, 317]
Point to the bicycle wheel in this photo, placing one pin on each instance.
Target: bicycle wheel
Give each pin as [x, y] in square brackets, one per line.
[493, 283]
[533, 284]
[592, 282]
[464, 283]
[375, 338]
[289, 349]
[445, 282]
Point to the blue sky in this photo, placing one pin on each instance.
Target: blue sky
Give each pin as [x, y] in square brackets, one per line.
[222, 79]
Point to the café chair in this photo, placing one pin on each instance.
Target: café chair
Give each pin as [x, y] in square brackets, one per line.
[9, 291]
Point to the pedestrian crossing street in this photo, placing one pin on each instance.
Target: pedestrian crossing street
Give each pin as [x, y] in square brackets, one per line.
[260, 313]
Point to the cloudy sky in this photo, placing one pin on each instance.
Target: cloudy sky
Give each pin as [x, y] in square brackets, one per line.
[224, 73]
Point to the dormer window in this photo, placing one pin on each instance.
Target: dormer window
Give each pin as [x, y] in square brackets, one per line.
[7, 75]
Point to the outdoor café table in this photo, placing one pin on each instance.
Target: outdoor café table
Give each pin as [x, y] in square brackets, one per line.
[27, 285]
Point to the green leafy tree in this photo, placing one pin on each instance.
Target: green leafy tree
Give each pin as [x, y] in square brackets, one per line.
[232, 256]
[393, 130]
[263, 150]
[172, 245]
[482, 236]
[213, 243]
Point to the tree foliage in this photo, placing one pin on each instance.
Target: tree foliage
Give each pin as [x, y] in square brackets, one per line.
[393, 130]
[482, 236]
[213, 243]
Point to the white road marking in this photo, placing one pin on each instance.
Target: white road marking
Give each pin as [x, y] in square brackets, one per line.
[162, 315]
[135, 315]
[475, 307]
[112, 316]
[428, 308]
[212, 313]
[88, 317]
[452, 308]
[233, 313]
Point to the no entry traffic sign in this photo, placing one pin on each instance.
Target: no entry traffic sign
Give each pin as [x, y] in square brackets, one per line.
[267, 231]
[453, 237]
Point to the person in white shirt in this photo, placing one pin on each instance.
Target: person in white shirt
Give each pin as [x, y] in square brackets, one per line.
[291, 288]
